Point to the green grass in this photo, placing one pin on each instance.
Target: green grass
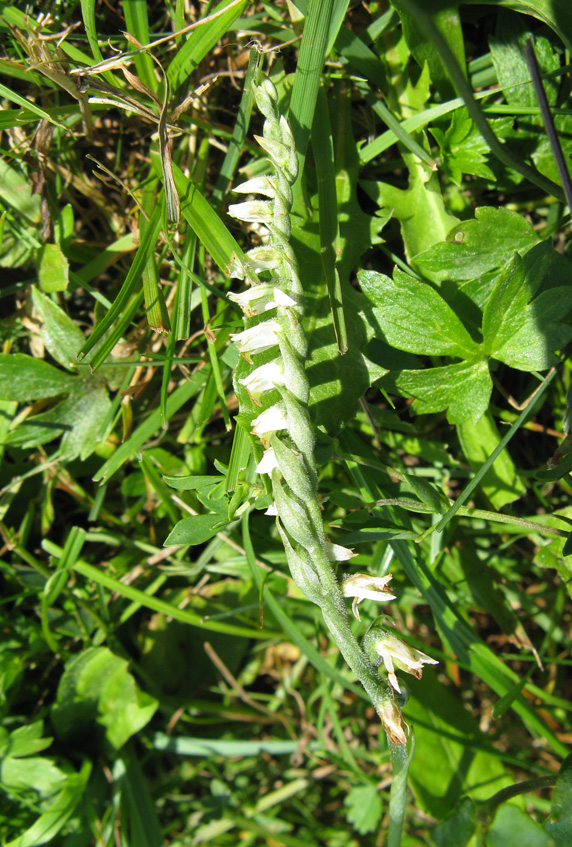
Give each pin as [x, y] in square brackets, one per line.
[163, 681]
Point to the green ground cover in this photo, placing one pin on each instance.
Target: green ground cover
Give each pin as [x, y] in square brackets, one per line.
[178, 667]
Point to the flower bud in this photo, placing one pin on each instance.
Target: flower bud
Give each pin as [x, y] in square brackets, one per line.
[392, 721]
[293, 515]
[299, 426]
[277, 152]
[302, 572]
[293, 469]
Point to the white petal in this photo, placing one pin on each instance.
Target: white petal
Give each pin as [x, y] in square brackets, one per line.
[268, 462]
[364, 586]
[337, 553]
[257, 185]
[270, 420]
[271, 510]
[253, 211]
[283, 299]
[257, 338]
[264, 378]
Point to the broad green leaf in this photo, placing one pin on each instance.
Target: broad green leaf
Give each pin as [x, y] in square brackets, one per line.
[556, 13]
[501, 484]
[463, 390]
[336, 382]
[513, 826]
[26, 740]
[32, 773]
[463, 149]
[194, 530]
[97, 686]
[414, 317]
[24, 378]
[459, 825]
[52, 821]
[16, 193]
[476, 246]
[507, 52]
[53, 269]
[419, 208]
[78, 417]
[559, 823]
[363, 808]
[452, 756]
[447, 20]
[87, 411]
[62, 337]
[521, 331]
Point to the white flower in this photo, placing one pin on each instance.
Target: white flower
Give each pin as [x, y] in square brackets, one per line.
[253, 211]
[264, 378]
[261, 298]
[337, 553]
[257, 338]
[270, 420]
[268, 462]
[271, 510]
[395, 654]
[258, 185]
[363, 586]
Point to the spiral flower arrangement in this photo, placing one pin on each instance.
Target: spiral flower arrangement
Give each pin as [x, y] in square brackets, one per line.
[274, 348]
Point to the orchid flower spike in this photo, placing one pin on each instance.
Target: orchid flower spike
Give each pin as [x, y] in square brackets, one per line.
[363, 586]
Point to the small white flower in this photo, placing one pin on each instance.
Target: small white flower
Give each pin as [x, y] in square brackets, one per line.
[271, 510]
[257, 338]
[363, 586]
[337, 553]
[268, 462]
[253, 211]
[261, 298]
[270, 420]
[395, 654]
[264, 378]
[258, 185]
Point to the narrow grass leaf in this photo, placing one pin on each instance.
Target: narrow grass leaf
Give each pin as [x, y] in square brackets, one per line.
[308, 75]
[202, 40]
[88, 15]
[148, 602]
[322, 145]
[137, 22]
[148, 241]
[401, 756]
